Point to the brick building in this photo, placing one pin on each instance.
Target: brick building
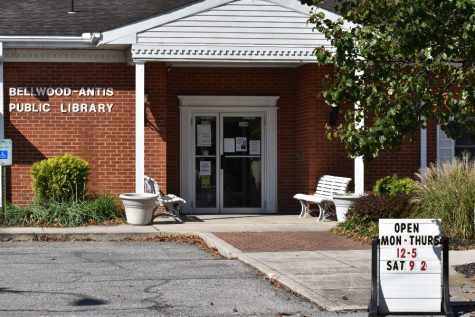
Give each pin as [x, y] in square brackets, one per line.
[216, 99]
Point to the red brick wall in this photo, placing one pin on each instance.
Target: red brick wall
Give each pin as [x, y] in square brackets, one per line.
[105, 140]
[315, 155]
[304, 154]
[156, 154]
[238, 81]
[404, 163]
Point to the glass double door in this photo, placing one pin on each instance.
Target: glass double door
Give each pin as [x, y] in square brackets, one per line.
[228, 163]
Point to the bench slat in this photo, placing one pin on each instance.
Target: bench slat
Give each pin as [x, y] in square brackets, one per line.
[327, 186]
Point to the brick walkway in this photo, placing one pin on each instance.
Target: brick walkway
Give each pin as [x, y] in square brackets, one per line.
[288, 241]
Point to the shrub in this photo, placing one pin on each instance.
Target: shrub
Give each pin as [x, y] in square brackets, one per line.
[67, 214]
[17, 216]
[102, 208]
[393, 185]
[372, 207]
[447, 192]
[362, 218]
[60, 179]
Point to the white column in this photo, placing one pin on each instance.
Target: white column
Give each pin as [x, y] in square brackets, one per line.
[359, 164]
[139, 126]
[423, 148]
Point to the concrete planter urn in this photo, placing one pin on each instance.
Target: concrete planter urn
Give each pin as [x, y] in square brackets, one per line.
[342, 203]
[139, 207]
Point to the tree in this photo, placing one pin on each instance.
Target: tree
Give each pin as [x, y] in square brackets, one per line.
[402, 63]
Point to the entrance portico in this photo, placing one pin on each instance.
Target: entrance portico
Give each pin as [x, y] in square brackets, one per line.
[222, 34]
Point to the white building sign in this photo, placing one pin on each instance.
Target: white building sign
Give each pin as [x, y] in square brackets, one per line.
[410, 265]
[63, 107]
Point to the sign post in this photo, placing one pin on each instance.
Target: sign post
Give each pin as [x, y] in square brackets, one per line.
[5, 160]
[409, 269]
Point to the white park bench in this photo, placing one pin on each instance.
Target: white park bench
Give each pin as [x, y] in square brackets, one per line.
[171, 202]
[327, 186]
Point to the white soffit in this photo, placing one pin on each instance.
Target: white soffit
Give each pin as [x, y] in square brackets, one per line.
[226, 31]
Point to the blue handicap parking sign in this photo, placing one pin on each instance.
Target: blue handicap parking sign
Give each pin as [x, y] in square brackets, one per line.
[3, 155]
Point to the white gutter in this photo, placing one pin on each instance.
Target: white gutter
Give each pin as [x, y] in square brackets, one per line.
[29, 41]
[84, 38]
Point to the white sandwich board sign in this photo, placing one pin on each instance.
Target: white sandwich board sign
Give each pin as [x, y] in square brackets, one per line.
[410, 265]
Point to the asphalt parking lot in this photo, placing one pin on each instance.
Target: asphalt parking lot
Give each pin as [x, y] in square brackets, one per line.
[135, 279]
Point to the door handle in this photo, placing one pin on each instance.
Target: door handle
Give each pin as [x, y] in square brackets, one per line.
[221, 161]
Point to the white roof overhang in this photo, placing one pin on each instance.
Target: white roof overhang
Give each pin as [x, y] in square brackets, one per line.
[257, 31]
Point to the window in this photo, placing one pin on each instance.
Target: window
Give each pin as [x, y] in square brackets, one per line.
[464, 144]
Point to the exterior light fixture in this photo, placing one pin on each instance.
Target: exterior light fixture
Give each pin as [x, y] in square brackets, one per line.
[72, 11]
[145, 98]
[334, 115]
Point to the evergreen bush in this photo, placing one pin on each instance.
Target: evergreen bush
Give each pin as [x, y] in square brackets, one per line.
[61, 179]
[393, 185]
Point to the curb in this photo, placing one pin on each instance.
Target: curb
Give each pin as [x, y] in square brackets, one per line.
[94, 236]
[229, 251]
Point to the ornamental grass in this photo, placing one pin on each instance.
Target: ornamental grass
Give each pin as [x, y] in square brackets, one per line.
[447, 191]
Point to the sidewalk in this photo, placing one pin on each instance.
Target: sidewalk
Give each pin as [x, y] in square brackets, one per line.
[330, 271]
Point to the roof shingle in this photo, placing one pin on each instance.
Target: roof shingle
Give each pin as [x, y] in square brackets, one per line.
[50, 17]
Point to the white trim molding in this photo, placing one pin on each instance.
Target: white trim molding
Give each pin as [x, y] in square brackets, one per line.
[228, 101]
[64, 55]
[264, 105]
[445, 147]
[223, 54]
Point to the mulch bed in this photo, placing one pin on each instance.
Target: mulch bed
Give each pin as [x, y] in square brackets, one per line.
[466, 269]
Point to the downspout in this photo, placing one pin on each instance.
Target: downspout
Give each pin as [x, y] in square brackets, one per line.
[423, 148]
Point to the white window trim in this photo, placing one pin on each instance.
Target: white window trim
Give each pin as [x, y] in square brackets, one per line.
[450, 145]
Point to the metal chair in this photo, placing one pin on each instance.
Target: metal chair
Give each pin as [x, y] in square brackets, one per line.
[171, 202]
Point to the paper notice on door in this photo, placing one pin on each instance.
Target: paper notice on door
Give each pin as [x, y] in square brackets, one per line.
[205, 168]
[254, 147]
[229, 145]
[241, 144]
[203, 132]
